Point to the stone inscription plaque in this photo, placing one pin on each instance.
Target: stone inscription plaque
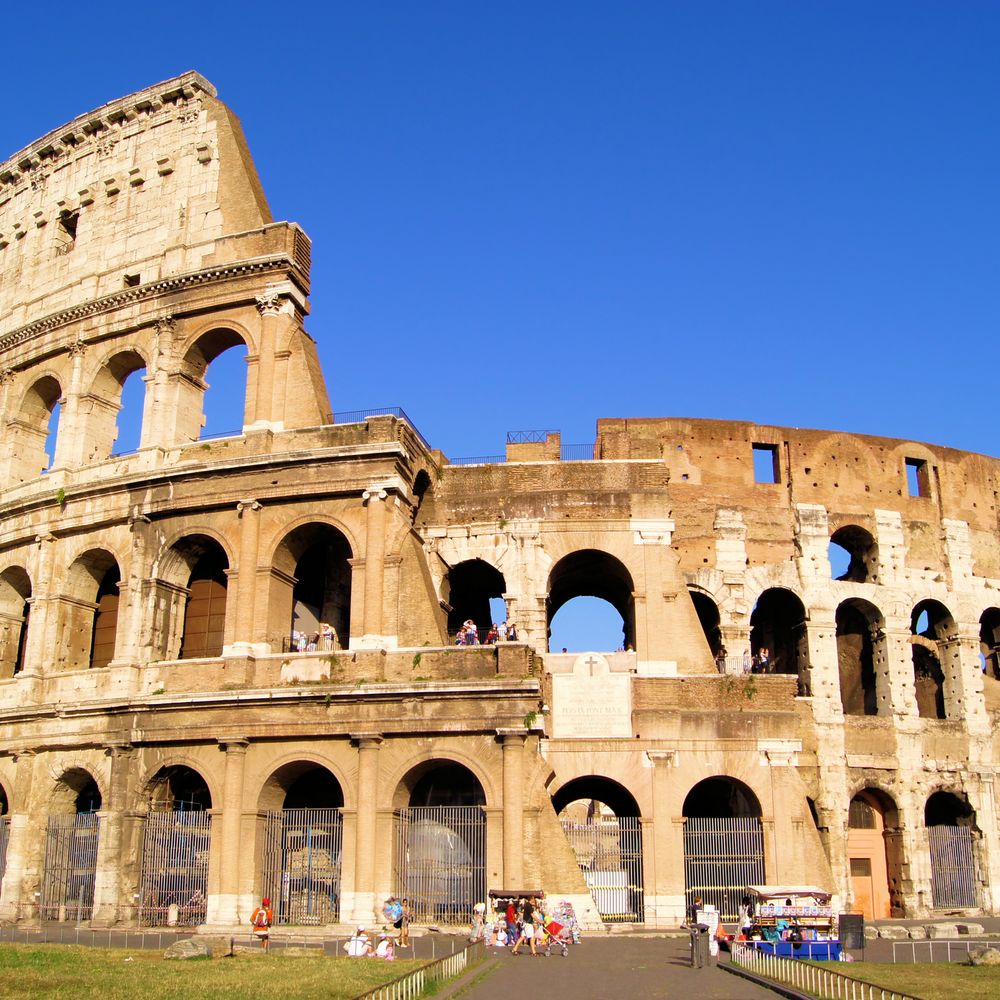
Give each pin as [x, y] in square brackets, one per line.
[591, 702]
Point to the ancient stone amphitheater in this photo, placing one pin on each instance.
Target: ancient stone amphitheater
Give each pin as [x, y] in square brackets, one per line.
[228, 665]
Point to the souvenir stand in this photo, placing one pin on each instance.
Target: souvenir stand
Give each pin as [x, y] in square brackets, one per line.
[802, 928]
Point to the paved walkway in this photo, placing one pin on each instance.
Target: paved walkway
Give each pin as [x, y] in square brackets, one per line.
[617, 968]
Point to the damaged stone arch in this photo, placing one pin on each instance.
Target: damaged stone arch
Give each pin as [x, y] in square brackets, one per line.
[33, 433]
[862, 658]
[102, 408]
[860, 552]
[955, 846]
[76, 791]
[933, 635]
[15, 613]
[778, 624]
[709, 618]
[191, 381]
[468, 587]
[593, 573]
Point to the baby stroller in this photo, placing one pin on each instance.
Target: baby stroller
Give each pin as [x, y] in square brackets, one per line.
[557, 935]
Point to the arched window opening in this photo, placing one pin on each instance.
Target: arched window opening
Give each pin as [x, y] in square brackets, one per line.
[862, 659]
[602, 823]
[89, 612]
[205, 614]
[586, 624]
[301, 858]
[114, 408]
[989, 642]
[173, 870]
[931, 627]
[778, 641]
[440, 842]
[15, 608]
[592, 573]
[52, 437]
[954, 841]
[71, 838]
[212, 376]
[708, 617]
[129, 420]
[853, 555]
[723, 843]
[105, 633]
[472, 585]
[225, 381]
[874, 855]
[35, 432]
[421, 486]
[311, 590]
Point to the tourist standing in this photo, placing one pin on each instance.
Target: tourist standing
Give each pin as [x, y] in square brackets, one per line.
[260, 922]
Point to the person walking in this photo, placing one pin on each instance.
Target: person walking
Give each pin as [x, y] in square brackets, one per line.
[404, 927]
[260, 922]
[528, 913]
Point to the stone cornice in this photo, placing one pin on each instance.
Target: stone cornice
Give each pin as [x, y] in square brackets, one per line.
[152, 290]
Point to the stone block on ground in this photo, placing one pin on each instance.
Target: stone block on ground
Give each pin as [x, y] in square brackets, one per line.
[984, 956]
[871, 932]
[188, 948]
[942, 930]
[247, 950]
[973, 930]
[893, 932]
[918, 933]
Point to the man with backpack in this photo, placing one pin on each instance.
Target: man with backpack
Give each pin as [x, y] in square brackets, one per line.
[260, 922]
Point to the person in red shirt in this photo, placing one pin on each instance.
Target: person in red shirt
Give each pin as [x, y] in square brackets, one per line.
[261, 920]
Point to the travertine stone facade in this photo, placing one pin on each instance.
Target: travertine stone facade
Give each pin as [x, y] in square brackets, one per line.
[148, 601]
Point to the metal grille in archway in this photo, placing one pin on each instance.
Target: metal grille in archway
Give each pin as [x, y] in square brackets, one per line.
[953, 866]
[609, 853]
[440, 861]
[173, 875]
[301, 865]
[722, 856]
[70, 864]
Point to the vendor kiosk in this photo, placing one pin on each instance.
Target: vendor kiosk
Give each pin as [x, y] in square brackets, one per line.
[793, 922]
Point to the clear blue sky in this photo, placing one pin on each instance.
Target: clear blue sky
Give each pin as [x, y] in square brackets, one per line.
[542, 213]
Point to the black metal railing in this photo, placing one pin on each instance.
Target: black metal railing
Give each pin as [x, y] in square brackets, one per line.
[360, 416]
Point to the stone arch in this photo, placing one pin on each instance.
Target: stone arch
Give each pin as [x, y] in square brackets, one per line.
[595, 787]
[954, 843]
[593, 573]
[933, 633]
[178, 784]
[710, 619]
[862, 548]
[778, 639]
[76, 790]
[721, 797]
[291, 777]
[989, 642]
[88, 615]
[103, 403]
[4, 804]
[15, 613]
[200, 350]
[862, 657]
[470, 586]
[36, 419]
[439, 781]
[845, 461]
[875, 853]
[310, 588]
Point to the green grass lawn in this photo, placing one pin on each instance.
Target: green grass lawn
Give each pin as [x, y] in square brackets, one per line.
[938, 981]
[67, 972]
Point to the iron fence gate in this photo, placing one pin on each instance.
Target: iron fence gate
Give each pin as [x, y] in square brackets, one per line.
[301, 865]
[70, 865]
[721, 858]
[609, 853]
[440, 861]
[953, 866]
[173, 874]
[4, 834]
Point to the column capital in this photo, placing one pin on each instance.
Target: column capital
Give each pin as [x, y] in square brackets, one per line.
[367, 741]
[248, 503]
[46, 537]
[662, 758]
[374, 492]
[268, 303]
[27, 753]
[512, 737]
[116, 750]
[165, 326]
[233, 744]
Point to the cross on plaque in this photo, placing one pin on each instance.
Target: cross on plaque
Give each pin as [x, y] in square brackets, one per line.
[591, 663]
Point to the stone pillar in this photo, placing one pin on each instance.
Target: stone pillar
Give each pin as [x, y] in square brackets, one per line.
[223, 908]
[372, 633]
[269, 305]
[513, 805]
[43, 624]
[361, 906]
[963, 678]
[158, 428]
[655, 615]
[664, 899]
[16, 899]
[899, 660]
[822, 676]
[245, 625]
[72, 432]
[108, 876]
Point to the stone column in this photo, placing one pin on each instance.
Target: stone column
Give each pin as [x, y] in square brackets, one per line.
[823, 673]
[513, 805]
[43, 623]
[269, 305]
[245, 624]
[16, 899]
[963, 686]
[374, 497]
[108, 876]
[72, 432]
[664, 902]
[224, 907]
[899, 661]
[362, 905]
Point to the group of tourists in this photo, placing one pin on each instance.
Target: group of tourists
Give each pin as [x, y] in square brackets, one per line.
[760, 662]
[324, 637]
[468, 634]
[531, 922]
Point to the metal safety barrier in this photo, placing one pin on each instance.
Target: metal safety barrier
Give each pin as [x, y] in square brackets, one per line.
[415, 984]
[819, 981]
[938, 950]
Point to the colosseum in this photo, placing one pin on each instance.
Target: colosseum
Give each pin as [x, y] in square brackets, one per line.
[241, 666]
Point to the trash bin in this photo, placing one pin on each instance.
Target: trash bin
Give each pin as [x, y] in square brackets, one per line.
[699, 946]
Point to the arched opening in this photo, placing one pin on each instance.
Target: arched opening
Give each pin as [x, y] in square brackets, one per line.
[440, 842]
[778, 641]
[931, 628]
[212, 375]
[853, 555]
[71, 838]
[115, 404]
[989, 642]
[723, 843]
[708, 617]
[602, 823]
[874, 854]
[592, 573]
[586, 624]
[862, 658]
[173, 870]
[34, 432]
[15, 607]
[311, 590]
[471, 586]
[303, 834]
[205, 610]
[4, 830]
[89, 611]
[952, 837]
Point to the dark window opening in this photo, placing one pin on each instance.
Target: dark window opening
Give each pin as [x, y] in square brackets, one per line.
[918, 483]
[447, 785]
[179, 789]
[105, 632]
[317, 788]
[66, 232]
[860, 643]
[131, 280]
[930, 626]
[853, 555]
[765, 463]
